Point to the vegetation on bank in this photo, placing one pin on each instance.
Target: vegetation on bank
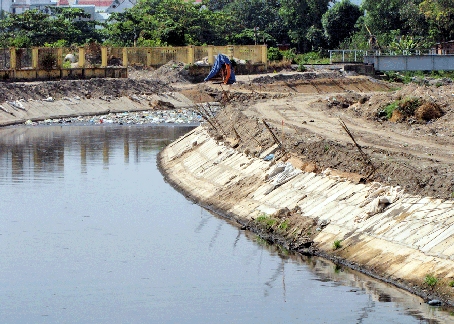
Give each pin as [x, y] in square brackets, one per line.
[306, 26]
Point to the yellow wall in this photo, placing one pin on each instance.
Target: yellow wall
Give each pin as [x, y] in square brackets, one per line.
[49, 63]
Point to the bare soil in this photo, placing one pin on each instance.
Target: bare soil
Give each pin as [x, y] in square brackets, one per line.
[413, 150]
[305, 116]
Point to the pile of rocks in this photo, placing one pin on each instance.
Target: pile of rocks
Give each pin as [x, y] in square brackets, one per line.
[178, 116]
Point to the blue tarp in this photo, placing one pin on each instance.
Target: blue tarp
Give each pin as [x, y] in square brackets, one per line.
[220, 60]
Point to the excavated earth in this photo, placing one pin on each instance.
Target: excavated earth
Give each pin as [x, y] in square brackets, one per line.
[305, 115]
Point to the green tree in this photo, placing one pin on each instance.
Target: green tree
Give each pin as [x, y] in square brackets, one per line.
[339, 21]
[34, 28]
[382, 16]
[440, 17]
[166, 22]
[256, 19]
[301, 18]
[217, 4]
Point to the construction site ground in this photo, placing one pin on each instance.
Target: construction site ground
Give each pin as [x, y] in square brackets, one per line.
[305, 111]
[306, 115]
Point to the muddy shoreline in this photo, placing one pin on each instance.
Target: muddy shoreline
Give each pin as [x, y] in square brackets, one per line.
[274, 238]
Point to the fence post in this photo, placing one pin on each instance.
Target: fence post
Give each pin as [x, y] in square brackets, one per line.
[149, 57]
[210, 50]
[191, 54]
[60, 57]
[12, 58]
[34, 57]
[103, 56]
[265, 55]
[125, 56]
[230, 49]
[81, 56]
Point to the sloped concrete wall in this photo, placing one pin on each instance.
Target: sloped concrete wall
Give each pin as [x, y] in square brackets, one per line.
[18, 112]
[411, 238]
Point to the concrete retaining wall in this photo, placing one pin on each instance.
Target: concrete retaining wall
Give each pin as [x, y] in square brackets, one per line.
[412, 238]
[12, 113]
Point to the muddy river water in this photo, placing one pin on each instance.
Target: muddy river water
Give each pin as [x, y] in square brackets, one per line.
[90, 233]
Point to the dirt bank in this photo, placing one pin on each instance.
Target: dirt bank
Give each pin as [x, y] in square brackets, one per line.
[413, 153]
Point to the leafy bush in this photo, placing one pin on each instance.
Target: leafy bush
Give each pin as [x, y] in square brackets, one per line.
[389, 109]
[406, 107]
[274, 54]
[289, 55]
[57, 44]
[430, 280]
[311, 58]
[337, 244]
[301, 67]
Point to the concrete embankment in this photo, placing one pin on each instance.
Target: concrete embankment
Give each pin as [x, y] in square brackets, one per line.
[18, 112]
[402, 239]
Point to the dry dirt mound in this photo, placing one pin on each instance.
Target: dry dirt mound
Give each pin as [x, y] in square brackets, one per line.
[268, 79]
[172, 72]
[428, 111]
[413, 103]
[295, 84]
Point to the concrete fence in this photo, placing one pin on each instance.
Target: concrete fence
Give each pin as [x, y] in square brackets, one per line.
[101, 56]
[100, 61]
[411, 62]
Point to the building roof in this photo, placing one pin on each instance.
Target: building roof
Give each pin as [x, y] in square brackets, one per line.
[97, 3]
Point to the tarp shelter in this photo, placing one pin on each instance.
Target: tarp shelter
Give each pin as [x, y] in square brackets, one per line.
[224, 65]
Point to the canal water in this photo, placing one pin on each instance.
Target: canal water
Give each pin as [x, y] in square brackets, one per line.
[90, 233]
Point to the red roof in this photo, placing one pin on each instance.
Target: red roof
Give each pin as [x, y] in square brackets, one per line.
[63, 3]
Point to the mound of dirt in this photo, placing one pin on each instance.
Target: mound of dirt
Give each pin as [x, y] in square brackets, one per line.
[428, 111]
[172, 72]
[269, 79]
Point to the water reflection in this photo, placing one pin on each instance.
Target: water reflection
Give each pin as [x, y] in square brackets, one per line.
[333, 275]
[39, 152]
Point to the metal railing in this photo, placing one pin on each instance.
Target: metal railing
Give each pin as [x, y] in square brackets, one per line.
[352, 56]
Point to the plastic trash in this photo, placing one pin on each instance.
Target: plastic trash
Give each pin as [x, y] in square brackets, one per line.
[269, 157]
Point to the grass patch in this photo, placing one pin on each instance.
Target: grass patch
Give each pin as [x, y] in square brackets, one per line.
[266, 220]
[451, 283]
[284, 225]
[408, 76]
[430, 280]
[337, 244]
[262, 217]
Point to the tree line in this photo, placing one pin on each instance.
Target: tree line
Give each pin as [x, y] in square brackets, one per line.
[306, 25]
